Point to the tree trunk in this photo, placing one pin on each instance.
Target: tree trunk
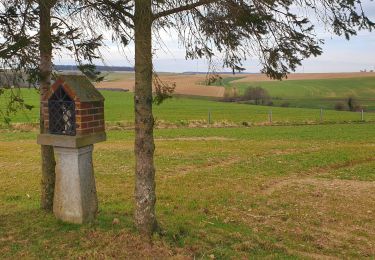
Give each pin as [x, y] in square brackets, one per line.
[45, 48]
[145, 197]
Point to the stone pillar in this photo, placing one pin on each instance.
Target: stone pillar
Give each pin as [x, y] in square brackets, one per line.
[75, 199]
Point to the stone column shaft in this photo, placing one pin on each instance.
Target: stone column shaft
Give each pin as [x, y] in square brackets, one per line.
[75, 199]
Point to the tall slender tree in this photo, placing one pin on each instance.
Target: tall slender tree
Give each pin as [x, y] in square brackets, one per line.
[31, 32]
[144, 147]
[26, 31]
[45, 72]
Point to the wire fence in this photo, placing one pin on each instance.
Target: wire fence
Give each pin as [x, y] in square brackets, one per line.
[321, 116]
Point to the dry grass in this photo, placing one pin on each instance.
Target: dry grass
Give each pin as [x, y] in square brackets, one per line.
[185, 85]
[240, 193]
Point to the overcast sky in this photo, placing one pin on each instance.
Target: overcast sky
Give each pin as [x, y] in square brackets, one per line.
[339, 55]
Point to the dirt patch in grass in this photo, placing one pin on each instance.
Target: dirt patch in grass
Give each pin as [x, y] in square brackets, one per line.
[326, 214]
[101, 245]
[303, 177]
[212, 138]
[20, 127]
[314, 218]
[208, 166]
[349, 185]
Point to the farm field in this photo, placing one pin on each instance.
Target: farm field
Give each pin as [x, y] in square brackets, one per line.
[152, 129]
[276, 192]
[184, 111]
[186, 84]
[193, 84]
[313, 93]
[235, 188]
[305, 90]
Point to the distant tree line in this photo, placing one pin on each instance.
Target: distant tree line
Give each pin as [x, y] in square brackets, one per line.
[98, 68]
[260, 96]
[254, 95]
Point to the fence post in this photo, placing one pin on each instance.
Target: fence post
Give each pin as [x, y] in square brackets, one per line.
[209, 117]
[362, 115]
[270, 116]
[321, 115]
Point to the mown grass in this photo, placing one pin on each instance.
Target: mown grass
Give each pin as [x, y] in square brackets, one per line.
[318, 92]
[181, 110]
[276, 192]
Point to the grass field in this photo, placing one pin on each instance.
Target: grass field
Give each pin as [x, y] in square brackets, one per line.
[182, 111]
[319, 90]
[315, 89]
[277, 192]
[314, 93]
[300, 189]
[306, 90]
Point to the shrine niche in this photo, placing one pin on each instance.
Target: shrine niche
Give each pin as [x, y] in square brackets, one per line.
[73, 115]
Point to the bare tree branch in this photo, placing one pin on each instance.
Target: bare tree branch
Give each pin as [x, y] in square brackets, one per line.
[184, 8]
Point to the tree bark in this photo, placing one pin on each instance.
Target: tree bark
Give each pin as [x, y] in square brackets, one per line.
[47, 155]
[145, 197]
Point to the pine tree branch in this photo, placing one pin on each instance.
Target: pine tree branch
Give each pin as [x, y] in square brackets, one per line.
[98, 5]
[183, 8]
[71, 38]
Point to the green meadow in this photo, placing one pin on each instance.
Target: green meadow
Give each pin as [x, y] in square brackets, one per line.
[315, 93]
[290, 192]
[182, 111]
[237, 188]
